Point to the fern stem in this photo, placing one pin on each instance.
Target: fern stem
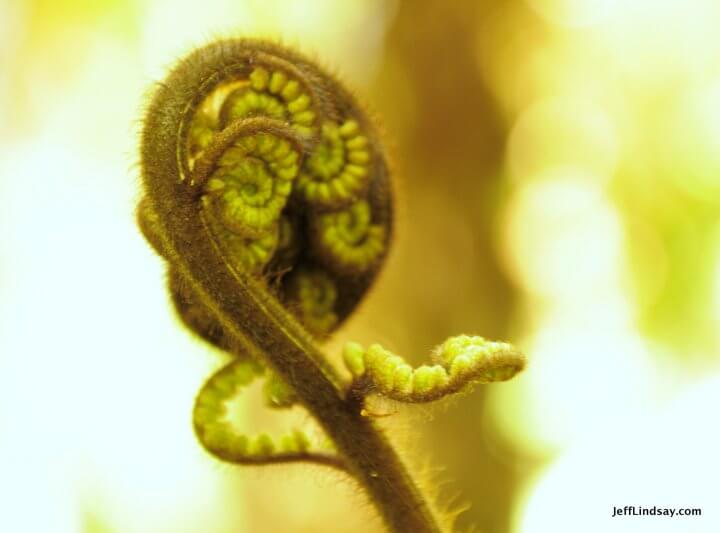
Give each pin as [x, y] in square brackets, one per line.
[246, 310]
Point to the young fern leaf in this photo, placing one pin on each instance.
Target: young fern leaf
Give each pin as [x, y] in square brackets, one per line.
[267, 191]
[461, 362]
[217, 435]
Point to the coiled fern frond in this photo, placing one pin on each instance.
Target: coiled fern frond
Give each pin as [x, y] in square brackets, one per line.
[267, 192]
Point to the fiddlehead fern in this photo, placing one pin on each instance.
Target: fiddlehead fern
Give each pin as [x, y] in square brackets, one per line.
[266, 190]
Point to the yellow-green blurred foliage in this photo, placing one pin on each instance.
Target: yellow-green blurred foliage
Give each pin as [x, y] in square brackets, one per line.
[559, 174]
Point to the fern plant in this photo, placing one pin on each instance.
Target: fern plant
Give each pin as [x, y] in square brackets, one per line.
[267, 192]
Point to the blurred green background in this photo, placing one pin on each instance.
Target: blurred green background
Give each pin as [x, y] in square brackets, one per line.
[558, 168]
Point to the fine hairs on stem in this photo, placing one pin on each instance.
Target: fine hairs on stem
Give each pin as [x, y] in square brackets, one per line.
[266, 190]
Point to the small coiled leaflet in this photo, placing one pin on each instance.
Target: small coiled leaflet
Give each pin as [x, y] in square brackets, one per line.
[461, 361]
[220, 438]
[347, 239]
[337, 173]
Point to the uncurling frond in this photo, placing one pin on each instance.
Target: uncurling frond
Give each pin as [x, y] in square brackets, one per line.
[460, 362]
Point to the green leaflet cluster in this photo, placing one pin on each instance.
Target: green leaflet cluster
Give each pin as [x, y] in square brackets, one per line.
[215, 430]
[312, 205]
[460, 362]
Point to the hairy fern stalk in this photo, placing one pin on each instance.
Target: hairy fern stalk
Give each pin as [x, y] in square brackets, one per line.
[268, 194]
